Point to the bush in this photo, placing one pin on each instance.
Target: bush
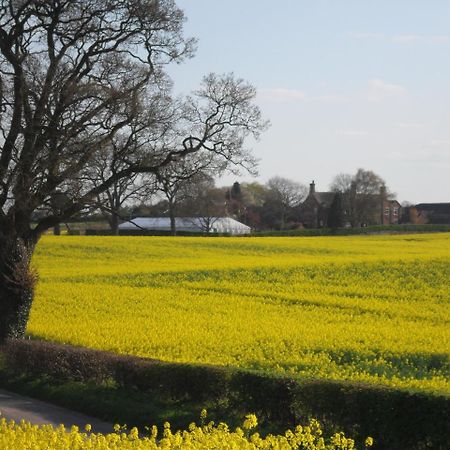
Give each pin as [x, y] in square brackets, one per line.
[40, 358]
[172, 381]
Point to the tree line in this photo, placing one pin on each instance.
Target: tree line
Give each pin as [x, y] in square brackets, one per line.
[188, 189]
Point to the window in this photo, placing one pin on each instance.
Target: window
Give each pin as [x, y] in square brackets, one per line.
[395, 211]
[386, 211]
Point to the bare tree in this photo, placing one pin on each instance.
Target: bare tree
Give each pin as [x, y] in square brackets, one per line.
[147, 135]
[361, 195]
[177, 181]
[205, 203]
[365, 197]
[74, 77]
[111, 202]
[284, 194]
[341, 183]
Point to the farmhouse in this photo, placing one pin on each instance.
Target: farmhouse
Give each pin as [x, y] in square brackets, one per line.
[186, 224]
[358, 209]
[315, 208]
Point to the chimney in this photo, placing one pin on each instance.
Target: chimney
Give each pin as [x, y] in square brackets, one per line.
[312, 187]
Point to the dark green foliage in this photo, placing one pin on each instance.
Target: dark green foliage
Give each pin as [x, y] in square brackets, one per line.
[374, 229]
[336, 216]
[172, 381]
[59, 362]
[236, 192]
[397, 419]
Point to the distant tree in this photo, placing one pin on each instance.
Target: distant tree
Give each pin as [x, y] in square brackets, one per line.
[234, 203]
[177, 181]
[282, 196]
[253, 194]
[365, 197]
[236, 192]
[361, 195]
[204, 204]
[341, 183]
[336, 213]
[406, 211]
[367, 182]
[112, 201]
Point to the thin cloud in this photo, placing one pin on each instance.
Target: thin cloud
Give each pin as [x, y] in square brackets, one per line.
[379, 90]
[282, 95]
[378, 84]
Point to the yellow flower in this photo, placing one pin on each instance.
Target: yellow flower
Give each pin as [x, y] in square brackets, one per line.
[250, 422]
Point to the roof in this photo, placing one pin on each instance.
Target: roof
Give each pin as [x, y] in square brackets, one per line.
[437, 207]
[324, 198]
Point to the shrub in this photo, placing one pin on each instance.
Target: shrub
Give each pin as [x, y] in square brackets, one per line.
[60, 362]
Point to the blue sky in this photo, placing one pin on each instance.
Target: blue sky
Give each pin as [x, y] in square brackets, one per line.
[345, 84]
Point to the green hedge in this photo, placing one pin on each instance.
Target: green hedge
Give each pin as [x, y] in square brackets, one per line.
[396, 419]
[138, 232]
[375, 229]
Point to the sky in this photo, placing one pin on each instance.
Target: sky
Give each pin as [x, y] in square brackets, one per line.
[345, 84]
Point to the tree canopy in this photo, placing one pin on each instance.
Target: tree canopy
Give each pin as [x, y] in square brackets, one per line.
[83, 82]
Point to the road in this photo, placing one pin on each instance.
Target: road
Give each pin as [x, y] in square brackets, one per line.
[16, 407]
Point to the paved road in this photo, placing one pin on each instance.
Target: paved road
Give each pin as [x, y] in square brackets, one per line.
[17, 407]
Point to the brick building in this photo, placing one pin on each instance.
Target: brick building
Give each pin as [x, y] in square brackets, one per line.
[424, 213]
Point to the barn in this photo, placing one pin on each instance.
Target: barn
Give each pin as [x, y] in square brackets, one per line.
[186, 224]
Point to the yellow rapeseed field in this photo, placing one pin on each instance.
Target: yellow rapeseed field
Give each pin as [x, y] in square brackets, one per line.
[368, 308]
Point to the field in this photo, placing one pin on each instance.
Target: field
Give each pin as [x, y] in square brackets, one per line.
[367, 308]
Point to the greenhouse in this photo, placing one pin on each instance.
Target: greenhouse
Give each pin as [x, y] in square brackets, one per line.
[225, 225]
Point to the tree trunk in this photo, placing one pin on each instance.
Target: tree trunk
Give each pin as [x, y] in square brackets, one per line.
[282, 219]
[114, 224]
[16, 286]
[173, 225]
